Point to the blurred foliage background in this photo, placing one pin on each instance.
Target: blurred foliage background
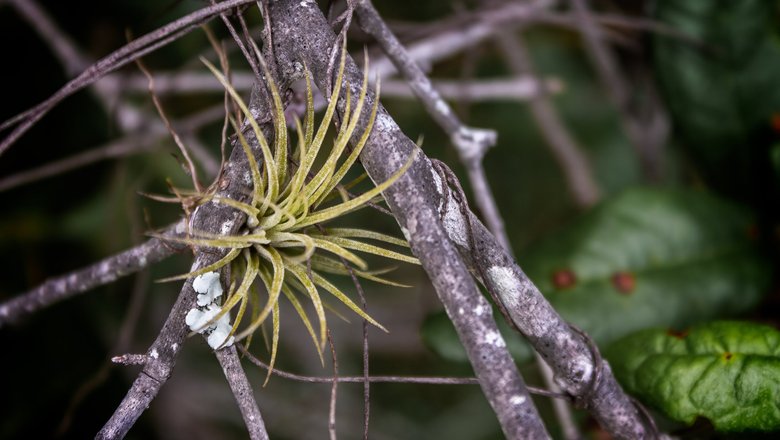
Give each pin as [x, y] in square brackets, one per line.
[695, 243]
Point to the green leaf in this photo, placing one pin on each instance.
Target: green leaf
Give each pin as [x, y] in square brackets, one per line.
[726, 372]
[722, 96]
[648, 258]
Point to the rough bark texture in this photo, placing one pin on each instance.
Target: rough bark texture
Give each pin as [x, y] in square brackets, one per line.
[413, 200]
[242, 390]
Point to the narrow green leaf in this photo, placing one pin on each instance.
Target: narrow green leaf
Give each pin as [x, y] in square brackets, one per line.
[365, 247]
[343, 208]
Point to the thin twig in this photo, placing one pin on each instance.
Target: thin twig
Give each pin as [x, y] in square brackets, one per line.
[100, 273]
[126, 331]
[127, 54]
[124, 146]
[420, 380]
[617, 89]
[333, 390]
[573, 162]
[242, 391]
[471, 143]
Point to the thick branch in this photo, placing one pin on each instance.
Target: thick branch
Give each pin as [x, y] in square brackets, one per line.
[411, 199]
[103, 272]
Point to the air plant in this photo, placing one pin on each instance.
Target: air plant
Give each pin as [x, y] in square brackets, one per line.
[284, 244]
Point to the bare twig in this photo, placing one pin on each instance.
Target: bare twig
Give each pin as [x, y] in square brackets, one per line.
[471, 143]
[410, 200]
[453, 40]
[422, 380]
[575, 166]
[242, 390]
[477, 90]
[127, 54]
[511, 89]
[413, 200]
[617, 89]
[333, 389]
[130, 359]
[124, 146]
[100, 273]
[191, 169]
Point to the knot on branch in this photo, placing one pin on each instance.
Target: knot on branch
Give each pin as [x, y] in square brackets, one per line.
[473, 143]
[591, 388]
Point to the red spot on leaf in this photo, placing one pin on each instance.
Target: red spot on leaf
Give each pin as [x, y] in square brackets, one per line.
[563, 279]
[679, 334]
[624, 282]
[753, 233]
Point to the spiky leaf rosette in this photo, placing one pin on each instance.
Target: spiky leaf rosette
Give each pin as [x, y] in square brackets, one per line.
[284, 244]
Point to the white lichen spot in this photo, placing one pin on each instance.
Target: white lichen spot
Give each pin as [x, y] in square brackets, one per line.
[208, 288]
[226, 227]
[153, 354]
[442, 107]
[217, 332]
[104, 268]
[479, 310]
[437, 182]
[142, 260]
[461, 311]
[517, 400]
[494, 338]
[219, 337]
[455, 225]
[507, 285]
[174, 346]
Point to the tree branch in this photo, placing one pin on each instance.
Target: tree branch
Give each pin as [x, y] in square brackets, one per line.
[470, 143]
[411, 199]
[103, 272]
[121, 57]
[572, 160]
[242, 390]
[617, 90]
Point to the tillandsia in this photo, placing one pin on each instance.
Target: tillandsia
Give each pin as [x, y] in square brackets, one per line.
[284, 243]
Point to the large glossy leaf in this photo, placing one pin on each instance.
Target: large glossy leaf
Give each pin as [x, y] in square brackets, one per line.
[726, 372]
[649, 258]
[722, 96]
[646, 258]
